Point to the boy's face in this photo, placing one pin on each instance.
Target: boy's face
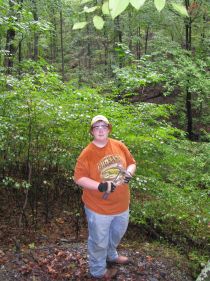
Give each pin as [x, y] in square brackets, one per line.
[100, 131]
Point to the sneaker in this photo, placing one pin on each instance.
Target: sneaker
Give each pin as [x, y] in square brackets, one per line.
[110, 273]
[121, 260]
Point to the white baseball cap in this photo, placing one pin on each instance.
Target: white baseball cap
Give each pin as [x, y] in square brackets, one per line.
[99, 118]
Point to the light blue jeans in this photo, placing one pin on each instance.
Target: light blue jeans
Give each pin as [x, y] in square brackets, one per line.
[105, 233]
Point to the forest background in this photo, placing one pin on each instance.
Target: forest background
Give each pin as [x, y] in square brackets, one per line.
[143, 64]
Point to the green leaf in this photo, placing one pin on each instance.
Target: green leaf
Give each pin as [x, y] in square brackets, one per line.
[79, 25]
[90, 10]
[85, 1]
[31, 246]
[105, 8]
[98, 22]
[180, 9]
[159, 4]
[117, 7]
[137, 3]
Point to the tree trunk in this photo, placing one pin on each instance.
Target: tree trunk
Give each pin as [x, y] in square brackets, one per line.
[188, 46]
[189, 114]
[146, 39]
[10, 46]
[107, 57]
[36, 35]
[118, 30]
[20, 42]
[53, 41]
[130, 43]
[138, 46]
[203, 31]
[118, 36]
[62, 51]
[105, 44]
[89, 51]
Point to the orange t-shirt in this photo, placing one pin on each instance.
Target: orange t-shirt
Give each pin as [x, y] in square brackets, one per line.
[102, 164]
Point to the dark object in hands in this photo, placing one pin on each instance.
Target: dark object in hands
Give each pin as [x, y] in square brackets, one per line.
[128, 177]
[106, 187]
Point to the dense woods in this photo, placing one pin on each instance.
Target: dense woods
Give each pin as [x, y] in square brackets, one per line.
[148, 71]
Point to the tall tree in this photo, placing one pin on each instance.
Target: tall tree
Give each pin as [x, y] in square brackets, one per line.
[36, 35]
[188, 41]
[10, 48]
[61, 39]
[20, 40]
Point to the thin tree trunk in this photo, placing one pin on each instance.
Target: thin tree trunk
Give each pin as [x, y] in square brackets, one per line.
[203, 32]
[107, 61]
[30, 50]
[20, 42]
[118, 30]
[62, 51]
[189, 114]
[10, 47]
[105, 43]
[188, 46]
[89, 52]
[28, 166]
[118, 36]
[20, 51]
[146, 39]
[36, 35]
[53, 43]
[138, 46]
[130, 44]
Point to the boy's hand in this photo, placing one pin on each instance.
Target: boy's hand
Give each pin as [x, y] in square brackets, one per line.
[107, 186]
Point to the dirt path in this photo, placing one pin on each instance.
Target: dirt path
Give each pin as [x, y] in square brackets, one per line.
[64, 261]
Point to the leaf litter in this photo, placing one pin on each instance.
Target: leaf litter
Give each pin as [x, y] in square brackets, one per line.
[65, 260]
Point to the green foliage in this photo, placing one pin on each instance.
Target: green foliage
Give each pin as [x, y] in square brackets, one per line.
[159, 4]
[180, 215]
[114, 8]
[98, 22]
[137, 3]
[9, 183]
[21, 19]
[117, 7]
[176, 71]
[170, 193]
[79, 25]
[45, 122]
[180, 9]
